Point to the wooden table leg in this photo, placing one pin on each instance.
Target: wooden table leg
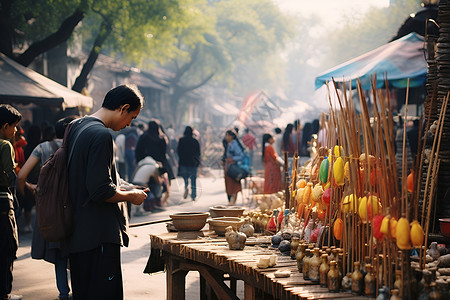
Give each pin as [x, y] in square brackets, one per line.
[249, 292]
[175, 280]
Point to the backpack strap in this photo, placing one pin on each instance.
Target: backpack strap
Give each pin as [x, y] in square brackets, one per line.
[88, 124]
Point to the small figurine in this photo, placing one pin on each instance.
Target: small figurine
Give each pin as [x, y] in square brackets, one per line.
[247, 228]
[235, 240]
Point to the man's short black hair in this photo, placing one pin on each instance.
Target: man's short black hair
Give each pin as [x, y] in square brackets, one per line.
[9, 115]
[121, 95]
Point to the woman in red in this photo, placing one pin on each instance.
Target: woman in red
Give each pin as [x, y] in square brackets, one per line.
[272, 163]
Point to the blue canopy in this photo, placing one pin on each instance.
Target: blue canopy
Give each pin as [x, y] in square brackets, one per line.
[400, 59]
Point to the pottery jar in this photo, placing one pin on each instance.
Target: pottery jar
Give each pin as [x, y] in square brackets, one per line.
[333, 278]
[394, 295]
[305, 267]
[294, 246]
[357, 279]
[347, 283]
[299, 256]
[324, 269]
[314, 266]
[369, 282]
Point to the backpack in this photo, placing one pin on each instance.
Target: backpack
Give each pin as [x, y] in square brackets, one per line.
[53, 205]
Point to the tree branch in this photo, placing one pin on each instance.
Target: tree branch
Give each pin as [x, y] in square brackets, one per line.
[181, 71]
[53, 40]
[196, 86]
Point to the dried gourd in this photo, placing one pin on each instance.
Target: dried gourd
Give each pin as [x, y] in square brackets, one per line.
[338, 171]
[337, 228]
[402, 234]
[417, 234]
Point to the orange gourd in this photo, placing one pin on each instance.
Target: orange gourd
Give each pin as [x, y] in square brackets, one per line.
[337, 228]
[307, 193]
[410, 182]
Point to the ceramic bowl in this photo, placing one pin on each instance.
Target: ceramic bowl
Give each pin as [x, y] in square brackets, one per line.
[220, 224]
[226, 211]
[445, 226]
[193, 221]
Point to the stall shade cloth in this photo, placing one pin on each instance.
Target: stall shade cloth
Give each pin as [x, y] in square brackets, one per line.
[399, 60]
[19, 84]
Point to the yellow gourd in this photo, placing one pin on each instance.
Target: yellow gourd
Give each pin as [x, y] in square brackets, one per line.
[369, 207]
[402, 233]
[393, 227]
[385, 225]
[337, 151]
[417, 234]
[349, 203]
[338, 169]
[347, 171]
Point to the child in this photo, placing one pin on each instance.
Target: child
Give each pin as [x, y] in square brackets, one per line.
[9, 118]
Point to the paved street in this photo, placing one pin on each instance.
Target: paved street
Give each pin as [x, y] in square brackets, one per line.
[34, 279]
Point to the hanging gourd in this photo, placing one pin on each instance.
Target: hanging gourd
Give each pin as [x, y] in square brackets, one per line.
[326, 197]
[323, 171]
[376, 223]
[347, 170]
[299, 195]
[417, 234]
[301, 183]
[338, 171]
[300, 210]
[316, 193]
[337, 228]
[393, 227]
[307, 193]
[349, 204]
[385, 225]
[369, 207]
[410, 182]
[403, 234]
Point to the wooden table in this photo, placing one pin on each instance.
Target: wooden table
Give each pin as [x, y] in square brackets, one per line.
[209, 255]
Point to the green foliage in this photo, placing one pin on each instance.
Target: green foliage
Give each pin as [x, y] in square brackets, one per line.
[34, 20]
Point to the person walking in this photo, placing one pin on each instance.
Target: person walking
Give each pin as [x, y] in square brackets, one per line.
[100, 218]
[9, 242]
[249, 140]
[188, 151]
[56, 253]
[272, 163]
[234, 154]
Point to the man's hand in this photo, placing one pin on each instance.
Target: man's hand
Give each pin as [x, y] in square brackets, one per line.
[138, 196]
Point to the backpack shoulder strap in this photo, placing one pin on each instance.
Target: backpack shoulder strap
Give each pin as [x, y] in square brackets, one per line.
[83, 128]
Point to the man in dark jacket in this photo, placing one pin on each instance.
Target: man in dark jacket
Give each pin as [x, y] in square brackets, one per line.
[99, 204]
[189, 159]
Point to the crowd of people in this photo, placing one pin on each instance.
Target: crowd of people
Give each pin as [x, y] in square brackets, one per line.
[107, 176]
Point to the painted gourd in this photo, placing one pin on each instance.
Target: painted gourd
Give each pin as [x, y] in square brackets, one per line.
[316, 193]
[410, 182]
[417, 234]
[337, 228]
[301, 183]
[350, 203]
[347, 170]
[385, 225]
[393, 227]
[369, 207]
[402, 233]
[323, 171]
[376, 223]
[338, 171]
[326, 197]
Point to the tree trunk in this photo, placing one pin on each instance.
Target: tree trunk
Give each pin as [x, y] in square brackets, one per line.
[6, 30]
[81, 80]
[53, 40]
